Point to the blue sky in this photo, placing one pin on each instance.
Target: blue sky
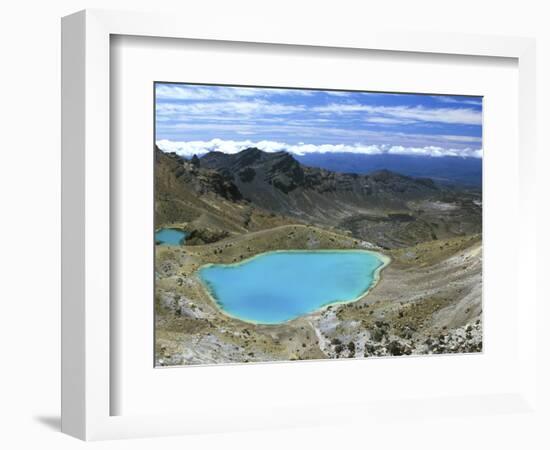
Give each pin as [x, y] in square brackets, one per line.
[194, 119]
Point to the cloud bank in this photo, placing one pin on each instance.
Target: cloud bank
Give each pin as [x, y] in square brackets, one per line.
[189, 148]
[192, 118]
[209, 92]
[407, 114]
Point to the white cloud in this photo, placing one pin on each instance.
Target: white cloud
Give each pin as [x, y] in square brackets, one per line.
[190, 148]
[220, 93]
[459, 138]
[434, 151]
[340, 93]
[308, 131]
[406, 114]
[454, 100]
[231, 108]
[218, 102]
[386, 121]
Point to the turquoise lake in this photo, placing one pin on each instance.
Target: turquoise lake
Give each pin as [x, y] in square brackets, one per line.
[170, 236]
[279, 286]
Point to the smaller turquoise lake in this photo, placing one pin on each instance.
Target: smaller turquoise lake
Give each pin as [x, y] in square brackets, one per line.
[170, 236]
[279, 286]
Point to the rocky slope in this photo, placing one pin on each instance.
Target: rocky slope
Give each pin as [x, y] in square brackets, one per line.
[427, 301]
[383, 207]
[278, 182]
[202, 200]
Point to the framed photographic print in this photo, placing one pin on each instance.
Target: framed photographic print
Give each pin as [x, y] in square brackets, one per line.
[300, 224]
[258, 225]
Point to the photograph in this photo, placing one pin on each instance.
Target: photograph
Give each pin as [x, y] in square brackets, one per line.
[302, 223]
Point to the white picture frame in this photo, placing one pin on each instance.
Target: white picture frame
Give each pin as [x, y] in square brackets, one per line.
[87, 386]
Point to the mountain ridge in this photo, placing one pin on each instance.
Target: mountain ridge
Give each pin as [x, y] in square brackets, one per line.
[384, 207]
[449, 170]
[286, 173]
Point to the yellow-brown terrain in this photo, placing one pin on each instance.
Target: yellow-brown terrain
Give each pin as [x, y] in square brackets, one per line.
[428, 299]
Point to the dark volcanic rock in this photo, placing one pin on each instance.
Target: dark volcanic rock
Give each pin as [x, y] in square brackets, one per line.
[196, 161]
[205, 236]
[380, 207]
[201, 180]
[278, 182]
[247, 175]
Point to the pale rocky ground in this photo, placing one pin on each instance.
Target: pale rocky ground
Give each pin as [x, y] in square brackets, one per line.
[427, 301]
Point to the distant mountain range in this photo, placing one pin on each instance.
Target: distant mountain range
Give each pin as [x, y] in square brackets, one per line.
[280, 183]
[444, 169]
[222, 191]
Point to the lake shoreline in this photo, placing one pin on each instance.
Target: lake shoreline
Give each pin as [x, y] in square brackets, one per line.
[441, 278]
[376, 277]
[170, 236]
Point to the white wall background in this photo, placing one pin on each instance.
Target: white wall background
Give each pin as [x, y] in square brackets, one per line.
[30, 188]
